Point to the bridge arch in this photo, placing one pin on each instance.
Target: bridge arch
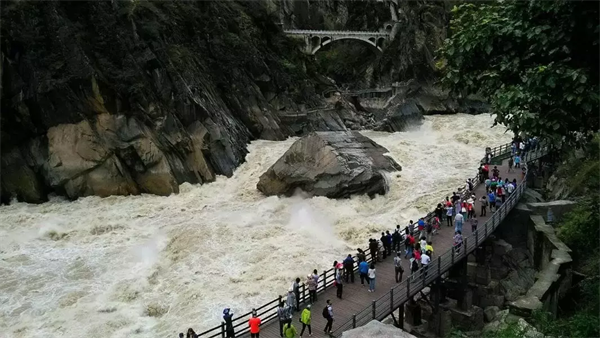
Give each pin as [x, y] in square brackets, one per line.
[377, 43]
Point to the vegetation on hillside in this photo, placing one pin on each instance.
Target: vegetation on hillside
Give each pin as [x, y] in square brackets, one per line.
[536, 61]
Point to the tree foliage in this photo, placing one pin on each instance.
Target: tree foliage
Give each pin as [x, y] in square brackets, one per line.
[536, 61]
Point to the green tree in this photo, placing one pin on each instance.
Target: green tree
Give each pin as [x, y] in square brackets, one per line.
[536, 62]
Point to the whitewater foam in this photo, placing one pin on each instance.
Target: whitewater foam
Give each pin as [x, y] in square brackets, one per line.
[149, 266]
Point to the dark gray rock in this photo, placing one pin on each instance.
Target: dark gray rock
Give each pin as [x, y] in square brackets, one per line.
[490, 313]
[332, 164]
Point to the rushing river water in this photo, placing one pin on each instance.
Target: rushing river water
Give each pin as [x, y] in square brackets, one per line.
[149, 266]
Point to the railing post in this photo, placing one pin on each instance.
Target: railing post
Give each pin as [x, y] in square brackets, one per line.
[391, 299]
[222, 329]
[303, 294]
[324, 280]
[374, 308]
[476, 239]
[453, 255]
[354, 321]
[439, 266]
[466, 247]
[408, 287]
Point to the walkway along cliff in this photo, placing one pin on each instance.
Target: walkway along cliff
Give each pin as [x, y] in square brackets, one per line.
[358, 307]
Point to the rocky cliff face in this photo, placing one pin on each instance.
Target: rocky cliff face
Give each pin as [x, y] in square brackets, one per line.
[129, 97]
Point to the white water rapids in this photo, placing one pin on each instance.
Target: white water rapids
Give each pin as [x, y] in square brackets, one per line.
[149, 266]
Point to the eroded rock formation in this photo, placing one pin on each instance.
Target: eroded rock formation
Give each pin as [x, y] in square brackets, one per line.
[332, 164]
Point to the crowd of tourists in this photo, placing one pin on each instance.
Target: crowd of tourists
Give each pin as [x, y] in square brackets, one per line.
[414, 242]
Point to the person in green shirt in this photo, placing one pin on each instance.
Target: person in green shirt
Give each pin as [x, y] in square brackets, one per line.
[305, 320]
[289, 331]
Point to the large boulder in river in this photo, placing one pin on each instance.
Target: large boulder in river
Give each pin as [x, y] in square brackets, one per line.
[332, 164]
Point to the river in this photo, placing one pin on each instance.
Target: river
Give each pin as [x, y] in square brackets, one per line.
[150, 266]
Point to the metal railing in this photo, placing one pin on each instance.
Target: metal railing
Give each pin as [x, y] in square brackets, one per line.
[323, 32]
[399, 294]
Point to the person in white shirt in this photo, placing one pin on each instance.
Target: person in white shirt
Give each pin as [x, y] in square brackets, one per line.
[458, 222]
[372, 278]
[423, 244]
[425, 258]
[398, 268]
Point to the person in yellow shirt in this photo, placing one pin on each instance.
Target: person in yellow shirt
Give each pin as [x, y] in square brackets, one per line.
[429, 247]
[305, 320]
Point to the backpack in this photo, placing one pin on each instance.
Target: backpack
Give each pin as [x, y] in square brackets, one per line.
[325, 312]
[415, 265]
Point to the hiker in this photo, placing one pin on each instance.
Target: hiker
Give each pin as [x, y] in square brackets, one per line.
[349, 269]
[439, 211]
[474, 223]
[328, 314]
[191, 334]
[305, 320]
[455, 197]
[517, 161]
[429, 248]
[470, 184]
[463, 210]
[421, 225]
[254, 324]
[495, 172]
[449, 213]
[312, 288]
[363, 270]
[384, 245]
[414, 265]
[361, 255]
[372, 278]
[396, 239]
[398, 268]
[373, 249]
[296, 288]
[388, 242]
[492, 200]
[227, 317]
[282, 316]
[436, 225]
[458, 222]
[409, 241]
[291, 299]
[511, 162]
[289, 331]
[380, 250]
[425, 260]
[423, 243]
[411, 227]
[484, 203]
[337, 266]
[180, 334]
[429, 230]
[458, 239]
[339, 284]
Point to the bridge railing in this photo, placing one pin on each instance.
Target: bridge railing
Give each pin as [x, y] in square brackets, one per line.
[401, 293]
[322, 32]
[268, 311]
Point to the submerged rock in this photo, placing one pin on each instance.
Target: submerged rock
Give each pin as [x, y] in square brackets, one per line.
[332, 164]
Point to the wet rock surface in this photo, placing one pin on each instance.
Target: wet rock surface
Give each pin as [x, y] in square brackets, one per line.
[332, 164]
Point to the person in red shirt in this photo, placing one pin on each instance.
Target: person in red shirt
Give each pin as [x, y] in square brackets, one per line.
[254, 323]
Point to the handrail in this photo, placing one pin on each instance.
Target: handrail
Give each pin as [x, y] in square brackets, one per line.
[327, 277]
[324, 32]
[402, 292]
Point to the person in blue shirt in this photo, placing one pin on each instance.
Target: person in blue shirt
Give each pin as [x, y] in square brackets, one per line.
[363, 270]
[349, 269]
[492, 200]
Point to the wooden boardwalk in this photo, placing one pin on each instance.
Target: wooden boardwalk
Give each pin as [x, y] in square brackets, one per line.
[356, 297]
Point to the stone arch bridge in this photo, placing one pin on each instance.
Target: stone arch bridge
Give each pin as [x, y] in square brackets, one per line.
[316, 39]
